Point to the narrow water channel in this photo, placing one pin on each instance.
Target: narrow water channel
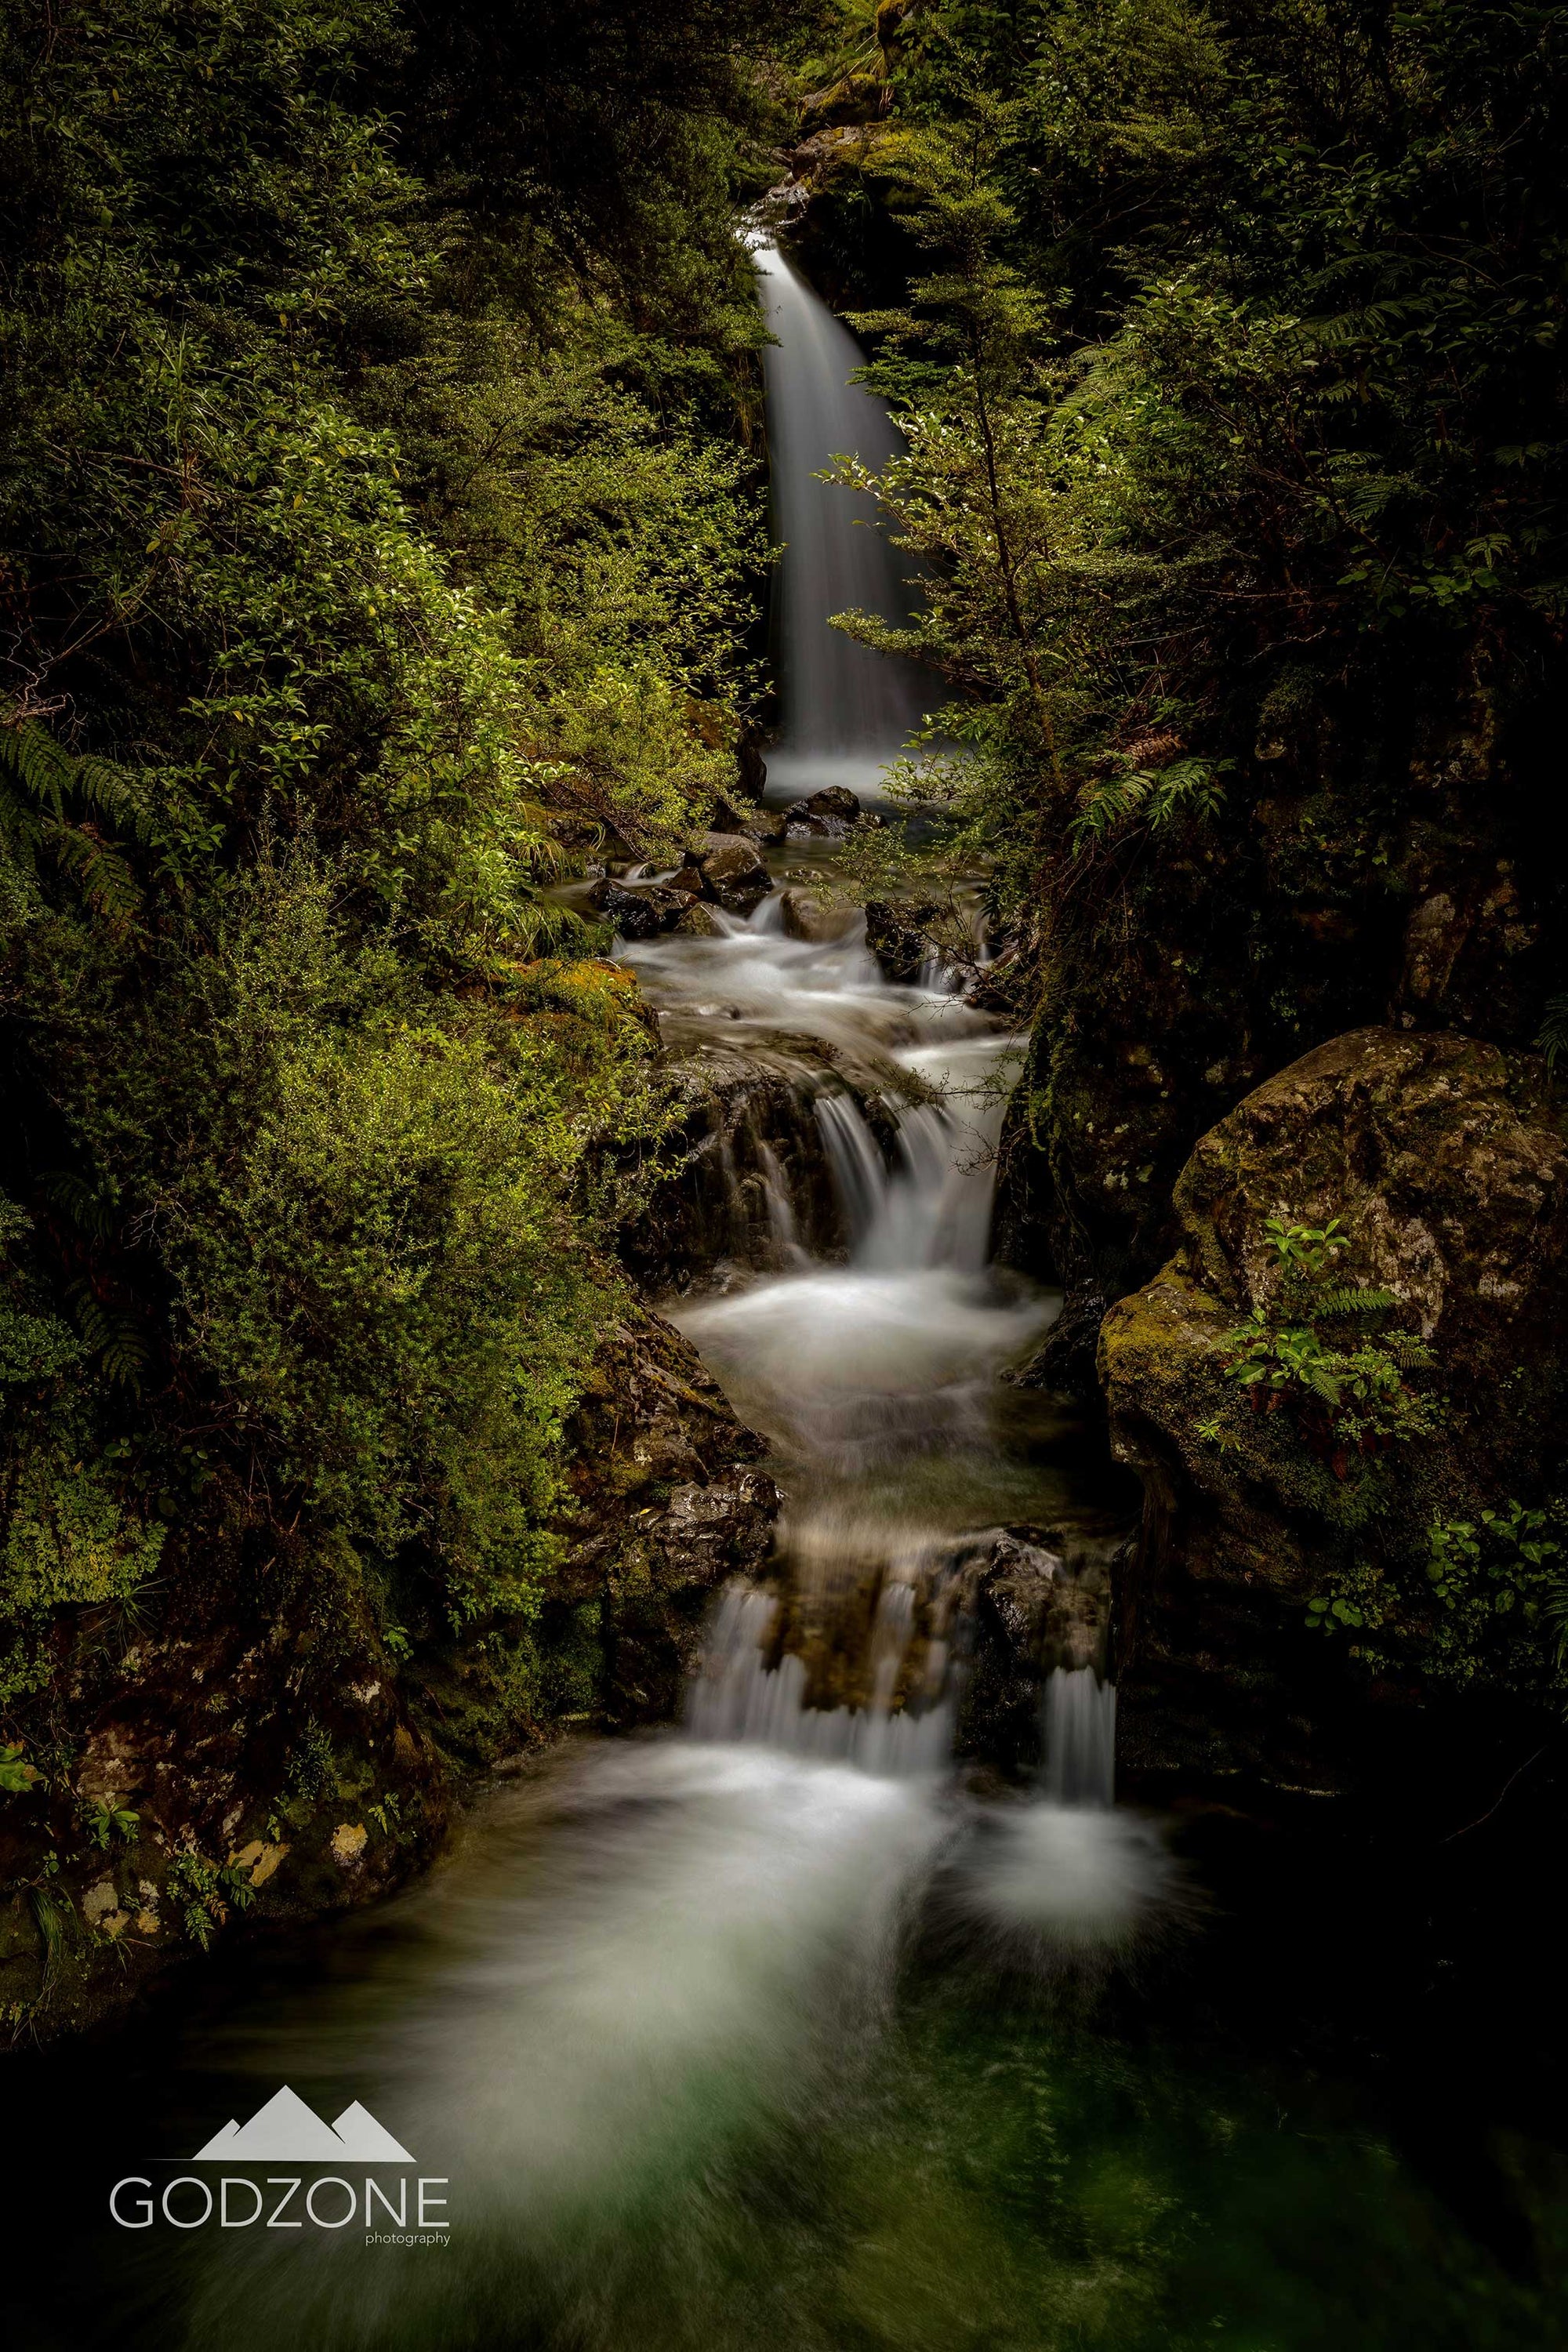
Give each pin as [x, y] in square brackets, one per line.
[789, 2029]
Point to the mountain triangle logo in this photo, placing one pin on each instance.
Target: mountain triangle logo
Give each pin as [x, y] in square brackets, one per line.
[285, 2131]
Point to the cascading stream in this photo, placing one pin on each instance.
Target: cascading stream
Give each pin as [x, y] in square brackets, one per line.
[657, 1967]
[874, 1378]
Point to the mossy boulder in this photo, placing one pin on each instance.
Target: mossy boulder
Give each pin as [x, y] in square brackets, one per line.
[1445, 1160]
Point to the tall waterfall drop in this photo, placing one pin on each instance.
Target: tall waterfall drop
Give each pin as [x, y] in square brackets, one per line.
[846, 708]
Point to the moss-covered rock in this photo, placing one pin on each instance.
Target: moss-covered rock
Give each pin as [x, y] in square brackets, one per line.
[1446, 1161]
[669, 1503]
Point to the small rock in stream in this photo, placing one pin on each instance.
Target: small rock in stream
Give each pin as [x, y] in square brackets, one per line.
[899, 938]
[733, 874]
[640, 914]
[828, 815]
[760, 824]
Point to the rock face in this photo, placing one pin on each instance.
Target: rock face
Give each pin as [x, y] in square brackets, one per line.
[1242, 947]
[640, 914]
[669, 1505]
[1447, 1160]
[1034, 1599]
[750, 1182]
[986, 1615]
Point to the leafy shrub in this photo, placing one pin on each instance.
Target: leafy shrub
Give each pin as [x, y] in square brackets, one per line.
[1348, 1392]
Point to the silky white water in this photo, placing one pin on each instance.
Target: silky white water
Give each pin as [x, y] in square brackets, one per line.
[845, 709]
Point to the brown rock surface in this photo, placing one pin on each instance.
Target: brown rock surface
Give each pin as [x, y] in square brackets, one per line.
[1447, 1160]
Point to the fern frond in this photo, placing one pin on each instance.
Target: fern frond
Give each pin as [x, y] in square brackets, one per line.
[115, 1337]
[1340, 1299]
[102, 875]
[37, 770]
[1552, 1034]
[89, 1209]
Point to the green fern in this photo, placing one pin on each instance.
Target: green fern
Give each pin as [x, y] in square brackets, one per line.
[1552, 1034]
[91, 1212]
[1158, 796]
[1337, 1300]
[53, 804]
[114, 1337]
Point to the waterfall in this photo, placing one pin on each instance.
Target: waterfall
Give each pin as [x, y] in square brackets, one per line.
[845, 709]
[874, 1376]
[856, 1167]
[1081, 1738]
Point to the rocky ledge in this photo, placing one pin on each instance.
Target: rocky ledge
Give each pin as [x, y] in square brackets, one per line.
[1446, 1163]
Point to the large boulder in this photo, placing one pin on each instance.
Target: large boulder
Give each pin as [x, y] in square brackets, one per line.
[827, 815]
[1445, 1160]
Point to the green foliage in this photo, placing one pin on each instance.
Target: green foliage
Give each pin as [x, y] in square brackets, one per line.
[18, 1777]
[1155, 797]
[205, 1893]
[70, 1542]
[107, 1820]
[1484, 1600]
[1304, 1249]
[1235, 332]
[383, 533]
[1348, 1392]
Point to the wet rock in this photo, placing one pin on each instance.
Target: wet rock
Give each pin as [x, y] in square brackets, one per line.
[748, 1182]
[827, 815]
[808, 917]
[733, 874]
[1447, 1160]
[899, 938]
[764, 825]
[1065, 1363]
[667, 1505]
[1032, 1599]
[639, 914]
[697, 922]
